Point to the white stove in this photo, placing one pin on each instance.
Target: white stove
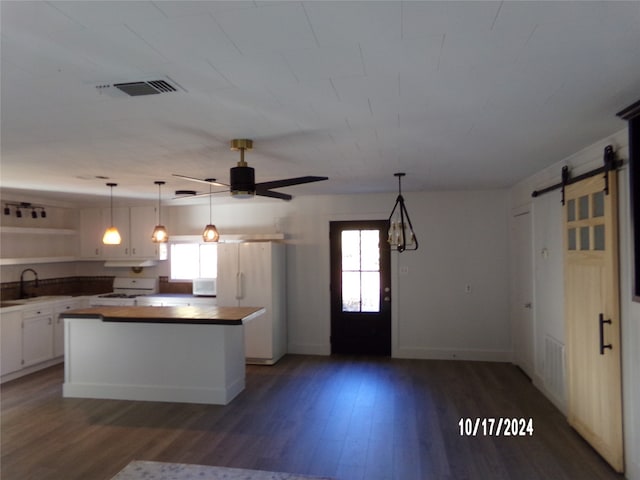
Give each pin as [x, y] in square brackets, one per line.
[125, 292]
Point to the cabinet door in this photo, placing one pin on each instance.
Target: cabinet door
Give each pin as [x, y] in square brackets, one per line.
[37, 339]
[91, 231]
[10, 342]
[143, 221]
[121, 222]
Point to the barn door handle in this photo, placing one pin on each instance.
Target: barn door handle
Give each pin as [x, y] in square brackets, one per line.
[602, 345]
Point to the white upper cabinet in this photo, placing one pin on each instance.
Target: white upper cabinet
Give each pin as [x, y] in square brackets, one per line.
[135, 225]
[143, 221]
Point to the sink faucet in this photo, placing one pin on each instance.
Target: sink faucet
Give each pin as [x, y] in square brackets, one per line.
[22, 292]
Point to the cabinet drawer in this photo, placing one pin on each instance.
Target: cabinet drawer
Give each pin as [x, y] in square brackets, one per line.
[37, 311]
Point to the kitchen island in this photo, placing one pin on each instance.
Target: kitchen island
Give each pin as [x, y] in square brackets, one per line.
[173, 354]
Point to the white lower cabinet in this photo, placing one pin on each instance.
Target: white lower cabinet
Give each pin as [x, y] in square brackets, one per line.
[37, 336]
[33, 337]
[10, 342]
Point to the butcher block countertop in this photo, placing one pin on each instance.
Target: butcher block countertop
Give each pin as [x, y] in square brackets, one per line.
[199, 315]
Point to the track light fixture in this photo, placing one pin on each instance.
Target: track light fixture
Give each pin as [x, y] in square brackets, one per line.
[23, 206]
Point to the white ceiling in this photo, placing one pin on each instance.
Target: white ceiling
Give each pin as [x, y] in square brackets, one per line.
[458, 95]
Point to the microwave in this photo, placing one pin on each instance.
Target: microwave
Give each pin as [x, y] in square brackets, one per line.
[204, 287]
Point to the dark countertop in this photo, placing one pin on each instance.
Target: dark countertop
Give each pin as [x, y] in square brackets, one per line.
[198, 315]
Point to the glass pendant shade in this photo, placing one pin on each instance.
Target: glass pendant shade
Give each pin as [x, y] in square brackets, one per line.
[210, 233]
[160, 234]
[111, 235]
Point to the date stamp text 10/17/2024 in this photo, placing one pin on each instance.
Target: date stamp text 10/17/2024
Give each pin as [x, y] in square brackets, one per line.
[495, 427]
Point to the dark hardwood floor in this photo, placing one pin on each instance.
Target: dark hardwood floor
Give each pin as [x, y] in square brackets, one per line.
[347, 417]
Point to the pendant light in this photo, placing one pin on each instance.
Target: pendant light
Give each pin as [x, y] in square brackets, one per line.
[160, 234]
[111, 235]
[401, 236]
[210, 233]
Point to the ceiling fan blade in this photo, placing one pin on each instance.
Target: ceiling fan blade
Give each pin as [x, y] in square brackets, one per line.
[272, 194]
[199, 180]
[287, 182]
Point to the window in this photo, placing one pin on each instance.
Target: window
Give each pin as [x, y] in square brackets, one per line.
[193, 260]
[360, 271]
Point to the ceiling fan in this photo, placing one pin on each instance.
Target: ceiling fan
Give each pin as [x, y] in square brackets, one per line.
[242, 178]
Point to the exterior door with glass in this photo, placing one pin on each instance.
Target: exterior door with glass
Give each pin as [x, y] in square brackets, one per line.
[360, 288]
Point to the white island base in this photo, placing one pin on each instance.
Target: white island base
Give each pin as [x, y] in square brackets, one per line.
[153, 361]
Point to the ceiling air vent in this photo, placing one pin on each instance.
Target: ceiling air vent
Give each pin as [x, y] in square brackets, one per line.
[139, 88]
[152, 87]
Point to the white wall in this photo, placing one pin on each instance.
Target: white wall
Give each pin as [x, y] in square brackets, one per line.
[463, 241]
[548, 282]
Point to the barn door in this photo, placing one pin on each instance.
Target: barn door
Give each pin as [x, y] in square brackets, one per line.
[592, 316]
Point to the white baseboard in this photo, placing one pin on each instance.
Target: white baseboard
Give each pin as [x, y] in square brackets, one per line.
[33, 368]
[309, 349]
[154, 393]
[444, 354]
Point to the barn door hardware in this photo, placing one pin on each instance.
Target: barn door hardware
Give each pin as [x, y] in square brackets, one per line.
[602, 321]
[610, 163]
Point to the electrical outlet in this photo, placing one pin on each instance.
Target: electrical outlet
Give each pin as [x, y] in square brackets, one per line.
[404, 270]
[467, 288]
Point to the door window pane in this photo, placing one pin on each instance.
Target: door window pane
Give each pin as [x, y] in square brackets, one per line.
[583, 207]
[351, 250]
[370, 291]
[360, 270]
[571, 210]
[572, 239]
[598, 237]
[584, 238]
[370, 252]
[350, 291]
[598, 204]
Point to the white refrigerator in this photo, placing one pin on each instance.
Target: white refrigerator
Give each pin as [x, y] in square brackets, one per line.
[253, 274]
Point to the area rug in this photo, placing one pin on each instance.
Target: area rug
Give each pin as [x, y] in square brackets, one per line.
[143, 470]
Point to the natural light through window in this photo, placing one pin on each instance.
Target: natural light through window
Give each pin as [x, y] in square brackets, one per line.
[360, 271]
[193, 260]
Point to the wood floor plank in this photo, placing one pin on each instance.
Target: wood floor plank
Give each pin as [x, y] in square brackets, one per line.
[348, 417]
